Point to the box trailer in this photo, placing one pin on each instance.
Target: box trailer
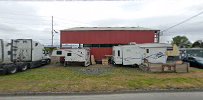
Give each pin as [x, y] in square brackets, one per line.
[81, 55]
[136, 53]
[127, 54]
[155, 52]
[22, 54]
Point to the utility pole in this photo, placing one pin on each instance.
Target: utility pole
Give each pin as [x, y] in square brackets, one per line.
[52, 32]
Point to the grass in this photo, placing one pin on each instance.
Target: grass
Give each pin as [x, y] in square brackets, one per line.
[82, 79]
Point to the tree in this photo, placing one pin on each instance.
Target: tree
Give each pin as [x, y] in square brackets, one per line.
[197, 44]
[181, 41]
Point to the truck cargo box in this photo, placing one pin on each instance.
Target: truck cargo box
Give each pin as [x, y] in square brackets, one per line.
[5, 52]
[26, 50]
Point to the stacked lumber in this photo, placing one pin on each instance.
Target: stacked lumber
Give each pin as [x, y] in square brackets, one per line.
[105, 61]
[181, 68]
[155, 67]
[55, 59]
[178, 67]
[93, 60]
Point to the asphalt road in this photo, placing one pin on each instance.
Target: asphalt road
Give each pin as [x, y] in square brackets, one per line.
[126, 96]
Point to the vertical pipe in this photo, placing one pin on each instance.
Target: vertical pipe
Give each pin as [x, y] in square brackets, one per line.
[52, 32]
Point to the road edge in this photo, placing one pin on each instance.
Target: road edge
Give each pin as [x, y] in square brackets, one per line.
[97, 92]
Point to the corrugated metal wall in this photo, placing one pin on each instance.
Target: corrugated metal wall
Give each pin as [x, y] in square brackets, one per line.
[99, 53]
[107, 37]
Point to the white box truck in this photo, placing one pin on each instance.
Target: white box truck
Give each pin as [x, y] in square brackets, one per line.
[136, 53]
[22, 54]
[81, 55]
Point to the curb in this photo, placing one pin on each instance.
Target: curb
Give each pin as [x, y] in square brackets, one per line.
[97, 92]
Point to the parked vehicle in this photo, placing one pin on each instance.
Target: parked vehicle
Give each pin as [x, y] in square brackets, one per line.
[127, 55]
[136, 53]
[21, 54]
[155, 52]
[194, 61]
[81, 55]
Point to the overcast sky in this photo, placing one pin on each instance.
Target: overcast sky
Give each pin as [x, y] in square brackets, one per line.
[33, 19]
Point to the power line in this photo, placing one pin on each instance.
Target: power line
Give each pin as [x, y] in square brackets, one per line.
[183, 21]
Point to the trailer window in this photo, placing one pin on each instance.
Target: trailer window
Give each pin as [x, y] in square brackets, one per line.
[36, 44]
[118, 52]
[147, 50]
[9, 52]
[69, 54]
[58, 52]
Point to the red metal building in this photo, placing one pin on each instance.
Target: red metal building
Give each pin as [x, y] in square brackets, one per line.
[101, 39]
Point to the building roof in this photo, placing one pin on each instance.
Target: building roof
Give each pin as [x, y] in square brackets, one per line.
[154, 45]
[107, 28]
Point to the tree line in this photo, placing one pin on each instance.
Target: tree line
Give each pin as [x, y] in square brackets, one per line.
[183, 42]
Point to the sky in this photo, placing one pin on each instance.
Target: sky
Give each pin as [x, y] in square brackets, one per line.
[32, 19]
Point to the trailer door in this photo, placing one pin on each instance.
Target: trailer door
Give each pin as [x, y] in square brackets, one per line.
[22, 49]
[117, 54]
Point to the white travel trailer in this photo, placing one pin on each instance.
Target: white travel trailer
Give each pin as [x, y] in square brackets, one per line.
[136, 53]
[127, 54]
[155, 52]
[22, 54]
[74, 55]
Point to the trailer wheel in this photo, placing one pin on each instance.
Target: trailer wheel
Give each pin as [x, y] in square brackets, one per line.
[24, 68]
[12, 70]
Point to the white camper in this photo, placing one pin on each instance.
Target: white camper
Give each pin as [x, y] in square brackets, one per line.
[127, 54]
[74, 55]
[155, 52]
[136, 53]
[22, 54]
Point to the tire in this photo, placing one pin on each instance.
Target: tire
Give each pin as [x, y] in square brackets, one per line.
[48, 61]
[12, 69]
[24, 68]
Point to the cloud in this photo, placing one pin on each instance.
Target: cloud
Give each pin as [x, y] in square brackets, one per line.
[33, 19]
[5, 29]
[20, 20]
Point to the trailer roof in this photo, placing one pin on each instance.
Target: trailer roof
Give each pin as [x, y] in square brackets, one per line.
[151, 45]
[109, 28]
[155, 45]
